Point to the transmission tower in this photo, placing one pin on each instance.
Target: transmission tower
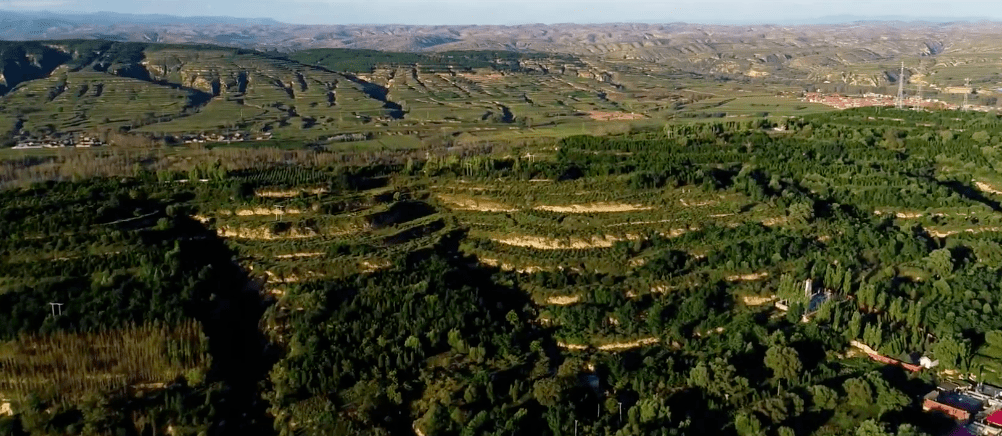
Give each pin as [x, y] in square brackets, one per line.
[901, 88]
[967, 91]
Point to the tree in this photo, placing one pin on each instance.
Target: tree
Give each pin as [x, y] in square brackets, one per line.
[859, 392]
[747, 424]
[547, 392]
[699, 375]
[890, 399]
[909, 430]
[871, 428]
[652, 409]
[940, 261]
[802, 212]
[824, 397]
[783, 361]
[993, 344]
[951, 352]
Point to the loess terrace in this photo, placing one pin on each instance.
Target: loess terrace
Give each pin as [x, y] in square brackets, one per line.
[522, 287]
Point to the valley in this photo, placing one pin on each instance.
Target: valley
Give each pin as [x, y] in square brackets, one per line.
[618, 229]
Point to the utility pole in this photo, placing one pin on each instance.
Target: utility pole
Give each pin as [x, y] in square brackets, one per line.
[901, 87]
[53, 306]
[967, 91]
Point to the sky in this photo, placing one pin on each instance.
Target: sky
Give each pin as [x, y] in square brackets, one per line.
[510, 12]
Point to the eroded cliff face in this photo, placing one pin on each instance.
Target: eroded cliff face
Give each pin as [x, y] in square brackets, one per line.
[196, 70]
[24, 61]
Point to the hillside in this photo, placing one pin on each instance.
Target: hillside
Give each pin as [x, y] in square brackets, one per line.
[172, 92]
[650, 282]
[836, 52]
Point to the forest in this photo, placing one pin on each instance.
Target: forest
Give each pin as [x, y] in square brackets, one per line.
[650, 282]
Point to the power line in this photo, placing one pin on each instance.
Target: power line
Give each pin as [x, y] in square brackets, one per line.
[901, 87]
[967, 91]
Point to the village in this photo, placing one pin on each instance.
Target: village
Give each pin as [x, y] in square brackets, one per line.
[870, 99]
[87, 140]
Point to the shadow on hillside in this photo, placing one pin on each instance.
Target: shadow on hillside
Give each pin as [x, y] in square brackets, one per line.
[239, 349]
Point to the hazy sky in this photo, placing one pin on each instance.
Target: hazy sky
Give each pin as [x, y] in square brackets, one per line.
[526, 11]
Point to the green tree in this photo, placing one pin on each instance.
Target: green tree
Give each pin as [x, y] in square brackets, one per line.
[747, 424]
[783, 361]
[824, 397]
[858, 392]
[547, 392]
[871, 428]
[909, 430]
[940, 262]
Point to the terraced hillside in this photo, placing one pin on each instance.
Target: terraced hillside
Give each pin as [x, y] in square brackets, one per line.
[702, 278]
[59, 92]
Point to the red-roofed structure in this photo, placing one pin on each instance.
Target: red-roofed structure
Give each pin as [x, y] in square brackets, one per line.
[995, 418]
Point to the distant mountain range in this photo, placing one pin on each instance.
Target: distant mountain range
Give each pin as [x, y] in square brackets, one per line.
[880, 36]
[842, 19]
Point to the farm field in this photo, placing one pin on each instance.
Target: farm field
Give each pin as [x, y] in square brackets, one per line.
[154, 94]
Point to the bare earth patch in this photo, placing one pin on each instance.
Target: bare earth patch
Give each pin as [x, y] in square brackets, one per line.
[754, 300]
[753, 277]
[299, 255]
[629, 345]
[372, 265]
[775, 221]
[277, 193]
[986, 187]
[466, 203]
[276, 278]
[263, 233]
[674, 233]
[697, 203]
[637, 262]
[595, 208]
[267, 211]
[944, 233]
[567, 346]
[5, 409]
[902, 214]
[865, 348]
[563, 300]
[614, 116]
[543, 243]
[509, 267]
[661, 289]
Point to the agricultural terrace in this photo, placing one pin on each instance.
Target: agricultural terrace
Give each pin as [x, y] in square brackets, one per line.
[527, 286]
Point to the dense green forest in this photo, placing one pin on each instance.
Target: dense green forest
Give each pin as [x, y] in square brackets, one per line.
[619, 285]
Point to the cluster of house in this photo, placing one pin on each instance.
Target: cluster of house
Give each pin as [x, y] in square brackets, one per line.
[871, 99]
[976, 406]
[81, 141]
[203, 138]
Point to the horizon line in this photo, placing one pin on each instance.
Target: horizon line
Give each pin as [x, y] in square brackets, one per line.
[814, 21]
